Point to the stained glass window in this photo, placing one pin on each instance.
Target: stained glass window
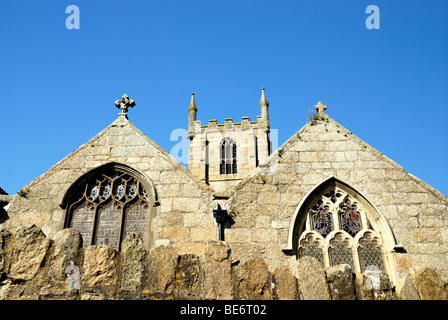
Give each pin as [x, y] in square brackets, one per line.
[331, 232]
[350, 218]
[321, 219]
[110, 206]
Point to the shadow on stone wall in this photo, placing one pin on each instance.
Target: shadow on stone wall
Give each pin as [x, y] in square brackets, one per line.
[34, 267]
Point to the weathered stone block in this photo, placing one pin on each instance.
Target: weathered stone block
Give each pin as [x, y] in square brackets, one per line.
[405, 289]
[428, 283]
[203, 234]
[100, 265]
[285, 284]
[134, 255]
[67, 243]
[217, 268]
[311, 279]
[29, 247]
[189, 275]
[253, 280]
[340, 282]
[161, 264]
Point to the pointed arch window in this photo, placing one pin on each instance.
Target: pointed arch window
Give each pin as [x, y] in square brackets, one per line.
[228, 162]
[336, 230]
[105, 206]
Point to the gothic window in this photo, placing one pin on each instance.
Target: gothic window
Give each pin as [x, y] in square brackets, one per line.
[340, 251]
[335, 230]
[369, 252]
[107, 206]
[311, 245]
[228, 163]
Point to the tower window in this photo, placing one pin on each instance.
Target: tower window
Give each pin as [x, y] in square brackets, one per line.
[228, 164]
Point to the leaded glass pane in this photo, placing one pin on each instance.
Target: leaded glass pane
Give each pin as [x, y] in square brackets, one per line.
[135, 220]
[311, 247]
[132, 190]
[222, 167]
[106, 191]
[82, 220]
[370, 253]
[340, 251]
[228, 157]
[321, 219]
[108, 226]
[93, 193]
[119, 190]
[223, 150]
[350, 218]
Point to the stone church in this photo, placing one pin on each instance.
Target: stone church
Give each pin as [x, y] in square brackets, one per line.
[323, 193]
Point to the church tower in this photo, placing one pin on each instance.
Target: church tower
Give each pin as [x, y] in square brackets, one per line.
[221, 155]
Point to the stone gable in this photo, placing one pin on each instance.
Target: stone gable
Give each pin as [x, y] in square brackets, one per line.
[183, 202]
[265, 205]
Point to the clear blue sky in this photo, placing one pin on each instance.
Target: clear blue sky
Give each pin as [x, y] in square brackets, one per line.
[58, 86]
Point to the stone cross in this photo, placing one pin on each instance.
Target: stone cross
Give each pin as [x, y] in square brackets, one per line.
[320, 108]
[124, 104]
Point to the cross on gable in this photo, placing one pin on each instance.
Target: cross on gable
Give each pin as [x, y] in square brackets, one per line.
[320, 108]
[124, 104]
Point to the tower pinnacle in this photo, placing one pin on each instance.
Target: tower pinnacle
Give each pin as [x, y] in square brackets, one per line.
[191, 116]
[192, 103]
[264, 106]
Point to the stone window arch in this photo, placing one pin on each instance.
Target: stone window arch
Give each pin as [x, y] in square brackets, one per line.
[110, 202]
[228, 156]
[335, 224]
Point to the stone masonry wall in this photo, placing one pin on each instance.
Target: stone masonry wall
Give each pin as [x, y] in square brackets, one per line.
[34, 267]
[184, 213]
[264, 203]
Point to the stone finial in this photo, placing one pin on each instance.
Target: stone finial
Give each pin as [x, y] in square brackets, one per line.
[192, 102]
[320, 108]
[124, 104]
[263, 100]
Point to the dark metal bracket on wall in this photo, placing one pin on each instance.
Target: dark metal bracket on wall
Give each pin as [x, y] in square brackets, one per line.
[220, 216]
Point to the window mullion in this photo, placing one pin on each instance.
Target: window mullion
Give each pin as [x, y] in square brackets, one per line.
[120, 231]
[365, 224]
[94, 224]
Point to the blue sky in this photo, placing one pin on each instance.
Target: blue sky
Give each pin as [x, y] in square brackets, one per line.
[58, 86]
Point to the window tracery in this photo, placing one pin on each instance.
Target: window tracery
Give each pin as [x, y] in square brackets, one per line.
[228, 164]
[336, 231]
[107, 207]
